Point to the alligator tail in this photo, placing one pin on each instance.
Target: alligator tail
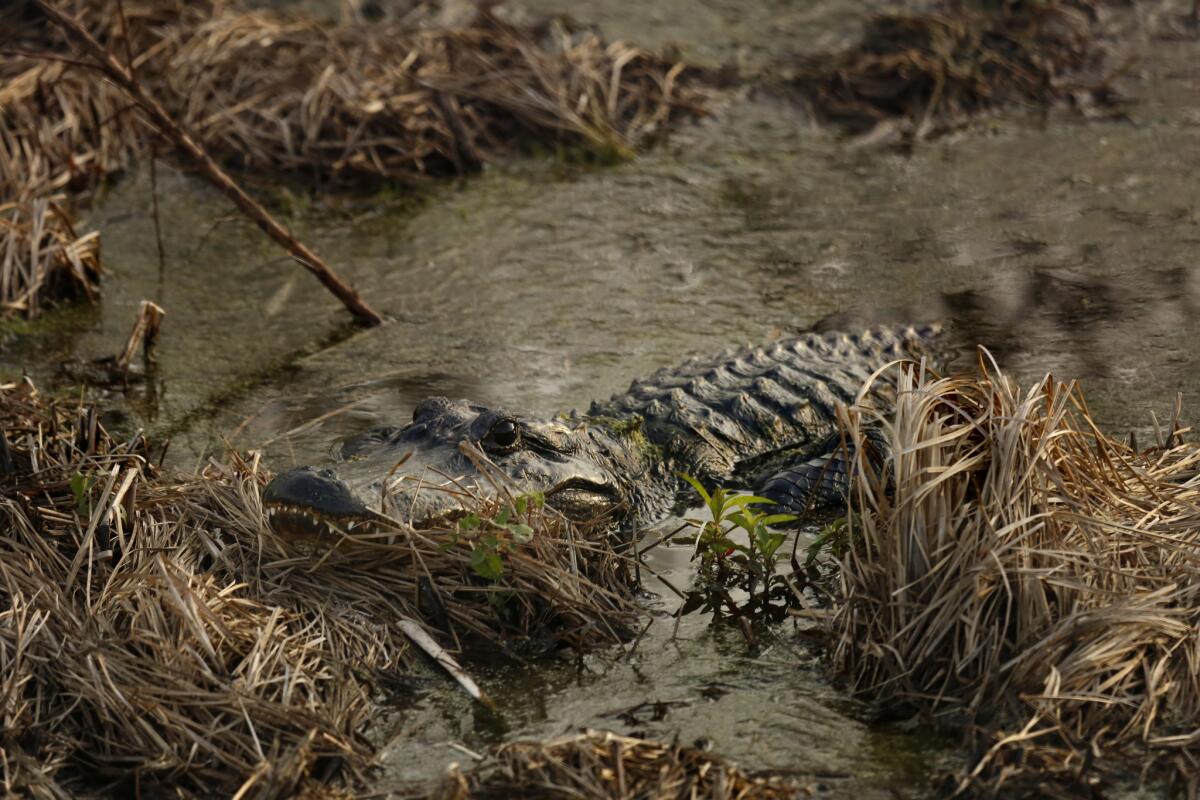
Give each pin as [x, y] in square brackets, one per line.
[822, 481]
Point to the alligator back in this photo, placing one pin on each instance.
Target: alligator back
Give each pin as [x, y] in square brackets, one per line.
[712, 414]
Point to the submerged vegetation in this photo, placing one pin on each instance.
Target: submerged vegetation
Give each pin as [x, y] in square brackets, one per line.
[154, 631]
[1012, 567]
[924, 71]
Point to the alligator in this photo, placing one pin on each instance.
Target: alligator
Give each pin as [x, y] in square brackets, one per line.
[763, 418]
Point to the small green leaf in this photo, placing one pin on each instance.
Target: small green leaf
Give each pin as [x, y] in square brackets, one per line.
[502, 517]
[80, 484]
[468, 523]
[521, 532]
[487, 563]
[744, 521]
[772, 544]
[759, 534]
[778, 519]
[521, 504]
[748, 500]
[697, 486]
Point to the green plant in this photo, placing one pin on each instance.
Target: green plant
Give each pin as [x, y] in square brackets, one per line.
[81, 487]
[823, 556]
[833, 539]
[726, 563]
[491, 537]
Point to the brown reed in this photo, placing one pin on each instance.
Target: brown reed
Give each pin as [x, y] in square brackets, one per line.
[926, 71]
[602, 765]
[1012, 566]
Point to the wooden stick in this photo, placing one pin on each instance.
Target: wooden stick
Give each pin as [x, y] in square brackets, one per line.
[170, 129]
[143, 335]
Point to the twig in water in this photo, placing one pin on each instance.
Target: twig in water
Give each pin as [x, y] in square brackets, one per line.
[143, 335]
[426, 642]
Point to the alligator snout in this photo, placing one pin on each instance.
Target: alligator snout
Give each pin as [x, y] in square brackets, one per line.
[306, 502]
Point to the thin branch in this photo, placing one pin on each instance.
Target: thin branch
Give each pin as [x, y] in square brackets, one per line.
[158, 239]
[183, 141]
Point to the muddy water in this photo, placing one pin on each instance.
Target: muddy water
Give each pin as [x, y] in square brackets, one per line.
[1064, 245]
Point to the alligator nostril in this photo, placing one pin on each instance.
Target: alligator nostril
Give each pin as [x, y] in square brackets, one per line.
[327, 473]
[430, 406]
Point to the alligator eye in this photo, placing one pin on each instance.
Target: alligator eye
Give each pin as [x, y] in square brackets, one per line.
[504, 434]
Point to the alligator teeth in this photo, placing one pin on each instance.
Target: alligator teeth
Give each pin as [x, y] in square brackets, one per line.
[283, 516]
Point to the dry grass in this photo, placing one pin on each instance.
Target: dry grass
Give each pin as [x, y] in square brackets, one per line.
[930, 70]
[393, 100]
[154, 633]
[373, 102]
[1031, 575]
[600, 765]
[42, 257]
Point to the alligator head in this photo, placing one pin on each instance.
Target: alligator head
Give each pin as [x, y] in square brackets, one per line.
[427, 470]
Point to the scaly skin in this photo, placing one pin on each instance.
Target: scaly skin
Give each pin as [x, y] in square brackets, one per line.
[760, 417]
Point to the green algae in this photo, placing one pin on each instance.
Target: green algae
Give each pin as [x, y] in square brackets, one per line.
[632, 431]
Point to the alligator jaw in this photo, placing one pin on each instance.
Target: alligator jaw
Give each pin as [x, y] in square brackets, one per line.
[295, 522]
[583, 500]
[305, 503]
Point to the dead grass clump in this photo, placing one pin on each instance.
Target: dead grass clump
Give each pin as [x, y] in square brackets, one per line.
[600, 765]
[153, 631]
[931, 70]
[371, 101]
[386, 100]
[62, 124]
[1012, 566]
[43, 258]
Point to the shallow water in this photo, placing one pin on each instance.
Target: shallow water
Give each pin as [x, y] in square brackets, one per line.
[1064, 245]
[698, 683]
